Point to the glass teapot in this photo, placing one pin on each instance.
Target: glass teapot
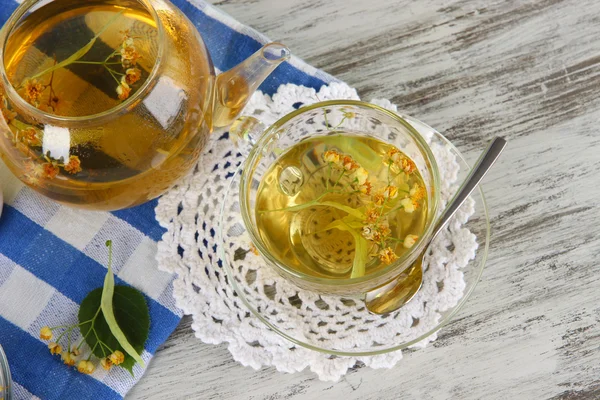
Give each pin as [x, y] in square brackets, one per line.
[105, 104]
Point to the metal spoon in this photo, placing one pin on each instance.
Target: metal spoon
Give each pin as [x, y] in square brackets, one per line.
[401, 290]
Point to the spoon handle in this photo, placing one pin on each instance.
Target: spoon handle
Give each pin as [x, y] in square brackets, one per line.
[483, 165]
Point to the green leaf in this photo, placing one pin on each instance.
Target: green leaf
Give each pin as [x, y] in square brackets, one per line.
[106, 304]
[131, 313]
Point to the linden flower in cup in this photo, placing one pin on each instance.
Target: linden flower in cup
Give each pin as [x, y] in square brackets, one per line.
[363, 202]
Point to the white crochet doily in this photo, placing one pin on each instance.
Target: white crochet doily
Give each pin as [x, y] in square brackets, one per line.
[190, 213]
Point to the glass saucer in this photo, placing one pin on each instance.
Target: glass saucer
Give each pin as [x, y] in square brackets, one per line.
[279, 304]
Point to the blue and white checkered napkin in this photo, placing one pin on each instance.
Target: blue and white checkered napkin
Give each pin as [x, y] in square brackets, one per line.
[51, 256]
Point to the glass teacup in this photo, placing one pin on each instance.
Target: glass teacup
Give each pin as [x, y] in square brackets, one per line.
[322, 121]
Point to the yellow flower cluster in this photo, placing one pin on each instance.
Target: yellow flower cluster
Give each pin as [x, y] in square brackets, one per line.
[376, 232]
[379, 200]
[69, 357]
[358, 175]
[387, 255]
[129, 59]
[395, 157]
[86, 367]
[375, 226]
[129, 53]
[73, 166]
[33, 92]
[27, 137]
[30, 136]
[35, 171]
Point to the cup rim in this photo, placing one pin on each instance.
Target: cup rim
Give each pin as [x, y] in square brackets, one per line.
[53, 119]
[392, 270]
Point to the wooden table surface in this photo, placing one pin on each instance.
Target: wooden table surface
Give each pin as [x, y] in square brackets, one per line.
[528, 70]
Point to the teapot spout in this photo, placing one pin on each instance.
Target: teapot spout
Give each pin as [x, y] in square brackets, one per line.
[234, 87]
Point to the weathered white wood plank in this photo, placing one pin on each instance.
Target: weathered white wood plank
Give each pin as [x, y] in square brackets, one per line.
[527, 70]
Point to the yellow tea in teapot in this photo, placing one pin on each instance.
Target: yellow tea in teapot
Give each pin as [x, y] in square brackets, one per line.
[83, 61]
[81, 64]
[341, 206]
[105, 104]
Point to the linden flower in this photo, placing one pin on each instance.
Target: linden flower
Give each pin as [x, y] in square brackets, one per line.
[349, 114]
[45, 333]
[36, 169]
[54, 348]
[123, 90]
[129, 54]
[33, 92]
[331, 156]
[384, 230]
[349, 164]
[390, 192]
[368, 232]
[86, 367]
[75, 351]
[372, 215]
[408, 205]
[409, 241]
[394, 155]
[407, 165]
[117, 357]
[30, 136]
[361, 175]
[106, 364]
[132, 75]
[50, 170]
[417, 193]
[387, 255]
[365, 188]
[68, 358]
[379, 199]
[74, 165]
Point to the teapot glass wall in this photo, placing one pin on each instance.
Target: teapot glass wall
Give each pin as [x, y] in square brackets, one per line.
[105, 104]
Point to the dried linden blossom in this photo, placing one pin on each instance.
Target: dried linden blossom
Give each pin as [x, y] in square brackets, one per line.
[372, 225]
[129, 58]
[375, 228]
[42, 96]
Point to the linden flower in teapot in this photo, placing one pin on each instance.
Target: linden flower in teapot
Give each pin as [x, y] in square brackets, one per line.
[106, 104]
